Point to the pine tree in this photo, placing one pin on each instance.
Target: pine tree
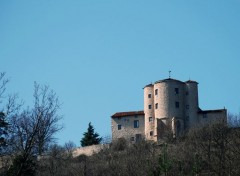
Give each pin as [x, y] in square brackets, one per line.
[3, 130]
[90, 137]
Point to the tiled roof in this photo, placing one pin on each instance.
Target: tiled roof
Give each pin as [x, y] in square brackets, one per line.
[211, 111]
[130, 113]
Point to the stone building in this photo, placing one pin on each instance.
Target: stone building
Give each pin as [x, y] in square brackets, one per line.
[169, 105]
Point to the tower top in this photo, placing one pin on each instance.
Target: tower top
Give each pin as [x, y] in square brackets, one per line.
[169, 73]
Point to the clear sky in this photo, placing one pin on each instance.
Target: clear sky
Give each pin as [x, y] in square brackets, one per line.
[97, 55]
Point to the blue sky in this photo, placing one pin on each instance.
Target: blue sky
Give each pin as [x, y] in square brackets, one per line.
[98, 55]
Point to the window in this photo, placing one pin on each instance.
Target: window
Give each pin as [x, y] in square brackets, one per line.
[126, 120]
[187, 106]
[187, 118]
[119, 127]
[151, 133]
[177, 104]
[136, 124]
[204, 115]
[132, 139]
[136, 116]
[156, 106]
[178, 127]
[138, 137]
[187, 93]
[149, 106]
[149, 95]
[156, 91]
[176, 91]
[150, 119]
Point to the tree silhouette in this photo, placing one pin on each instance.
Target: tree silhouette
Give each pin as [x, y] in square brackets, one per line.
[90, 137]
[3, 130]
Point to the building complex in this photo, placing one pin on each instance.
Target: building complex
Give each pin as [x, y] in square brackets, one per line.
[169, 105]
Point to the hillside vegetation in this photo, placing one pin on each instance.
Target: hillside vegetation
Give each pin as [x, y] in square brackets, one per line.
[209, 150]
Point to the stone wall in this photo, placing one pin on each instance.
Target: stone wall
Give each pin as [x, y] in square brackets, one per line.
[89, 150]
[149, 113]
[192, 107]
[164, 97]
[213, 116]
[127, 127]
[168, 103]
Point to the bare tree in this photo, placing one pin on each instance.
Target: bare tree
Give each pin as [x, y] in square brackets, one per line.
[45, 112]
[3, 123]
[218, 146]
[8, 107]
[33, 130]
[8, 103]
[3, 83]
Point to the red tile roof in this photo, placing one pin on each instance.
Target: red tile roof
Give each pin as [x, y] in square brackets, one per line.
[130, 113]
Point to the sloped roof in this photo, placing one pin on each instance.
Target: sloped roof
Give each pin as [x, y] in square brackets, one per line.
[211, 111]
[149, 85]
[129, 113]
[191, 81]
[168, 80]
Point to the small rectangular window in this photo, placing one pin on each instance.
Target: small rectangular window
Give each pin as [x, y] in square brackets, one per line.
[151, 133]
[176, 91]
[136, 116]
[119, 127]
[149, 106]
[149, 95]
[204, 115]
[177, 104]
[187, 106]
[156, 91]
[136, 123]
[187, 118]
[150, 119]
[132, 139]
[126, 120]
[187, 93]
[156, 106]
[138, 137]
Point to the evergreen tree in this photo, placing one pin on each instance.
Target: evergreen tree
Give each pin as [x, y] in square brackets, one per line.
[90, 137]
[3, 130]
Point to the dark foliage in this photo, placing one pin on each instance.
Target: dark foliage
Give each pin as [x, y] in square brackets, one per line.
[209, 150]
[22, 166]
[90, 137]
[3, 131]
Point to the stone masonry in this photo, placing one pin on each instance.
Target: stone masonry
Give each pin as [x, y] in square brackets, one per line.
[169, 104]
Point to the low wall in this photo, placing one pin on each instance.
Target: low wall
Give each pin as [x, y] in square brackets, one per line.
[89, 150]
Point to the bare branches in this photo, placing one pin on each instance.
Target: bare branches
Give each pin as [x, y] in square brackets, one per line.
[45, 111]
[3, 82]
[36, 127]
[9, 104]
[32, 130]
[12, 106]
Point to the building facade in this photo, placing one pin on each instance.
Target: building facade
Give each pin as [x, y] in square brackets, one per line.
[169, 105]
